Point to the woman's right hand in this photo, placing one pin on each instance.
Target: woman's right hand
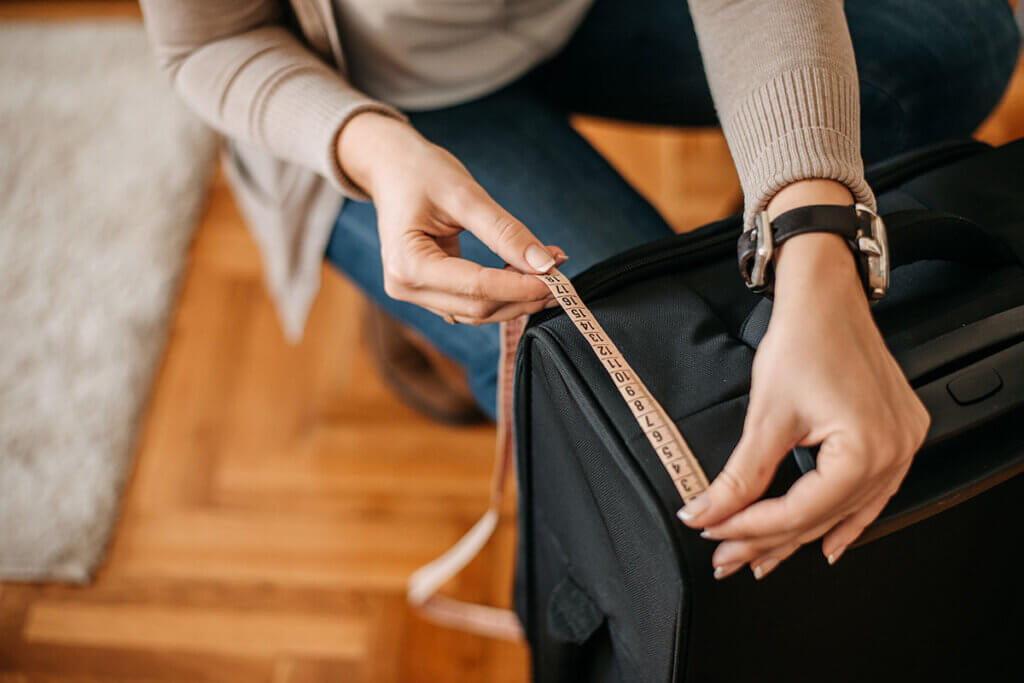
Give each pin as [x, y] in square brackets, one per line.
[424, 198]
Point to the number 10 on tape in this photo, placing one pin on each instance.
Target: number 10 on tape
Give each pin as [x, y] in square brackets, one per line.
[679, 462]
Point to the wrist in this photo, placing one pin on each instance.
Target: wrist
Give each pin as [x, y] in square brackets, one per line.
[807, 193]
[367, 141]
[817, 263]
[813, 260]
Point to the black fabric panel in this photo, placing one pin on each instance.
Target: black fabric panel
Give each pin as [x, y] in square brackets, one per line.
[924, 235]
[691, 359]
[939, 600]
[985, 188]
[614, 548]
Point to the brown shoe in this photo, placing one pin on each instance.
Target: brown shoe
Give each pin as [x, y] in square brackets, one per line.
[419, 374]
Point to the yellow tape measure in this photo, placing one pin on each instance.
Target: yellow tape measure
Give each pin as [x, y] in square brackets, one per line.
[680, 463]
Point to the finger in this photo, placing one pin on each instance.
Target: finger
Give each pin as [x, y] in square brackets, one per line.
[743, 552]
[846, 532]
[766, 564]
[455, 304]
[734, 549]
[449, 244]
[560, 257]
[503, 234]
[474, 311]
[510, 312]
[559, 254]
[430, 268]
[747, 473]
[506, 312]
[835, 486]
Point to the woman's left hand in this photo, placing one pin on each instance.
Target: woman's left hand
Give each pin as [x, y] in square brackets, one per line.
[822, 375]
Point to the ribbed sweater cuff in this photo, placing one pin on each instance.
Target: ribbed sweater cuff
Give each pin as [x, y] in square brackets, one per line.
[336, 176]
[804, 123]
[313, 110]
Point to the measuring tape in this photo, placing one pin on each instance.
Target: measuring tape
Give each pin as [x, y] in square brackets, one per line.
[680, 463]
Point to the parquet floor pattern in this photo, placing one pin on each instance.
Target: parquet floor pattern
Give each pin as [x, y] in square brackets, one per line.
[281, 495]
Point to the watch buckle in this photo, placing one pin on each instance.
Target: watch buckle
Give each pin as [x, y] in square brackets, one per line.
[764, 249]
[875, 246]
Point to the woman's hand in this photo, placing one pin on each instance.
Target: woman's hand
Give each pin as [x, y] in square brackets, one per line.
[424, 198]
[822, 374]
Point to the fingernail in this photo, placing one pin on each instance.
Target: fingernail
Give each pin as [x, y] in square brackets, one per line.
[693, 508]
[834, 557]
[551, 304]
[539, 258]
[727, 569]
[761, 570]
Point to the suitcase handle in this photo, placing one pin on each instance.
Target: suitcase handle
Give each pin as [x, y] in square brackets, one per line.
[922, 234]
[947, 353]
[969, 398]
[914, 235]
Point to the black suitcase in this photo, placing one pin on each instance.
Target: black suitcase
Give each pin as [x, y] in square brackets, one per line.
[611, 587]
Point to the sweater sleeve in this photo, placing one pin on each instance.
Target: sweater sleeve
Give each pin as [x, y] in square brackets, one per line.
[250, 78]
[784, 81]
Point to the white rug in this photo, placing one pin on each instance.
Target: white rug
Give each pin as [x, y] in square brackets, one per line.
[103, 174]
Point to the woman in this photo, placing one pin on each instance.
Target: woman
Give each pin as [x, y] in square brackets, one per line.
[450, 116]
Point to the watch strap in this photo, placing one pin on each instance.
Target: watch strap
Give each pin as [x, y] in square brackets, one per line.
[840, 220]
[756, 246]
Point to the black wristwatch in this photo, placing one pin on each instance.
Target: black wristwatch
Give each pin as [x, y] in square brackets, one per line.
[862, 228]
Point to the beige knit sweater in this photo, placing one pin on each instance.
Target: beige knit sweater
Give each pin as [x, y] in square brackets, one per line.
[782, 74]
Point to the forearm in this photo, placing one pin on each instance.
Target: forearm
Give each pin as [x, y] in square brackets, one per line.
[784, 81]
[252, 80]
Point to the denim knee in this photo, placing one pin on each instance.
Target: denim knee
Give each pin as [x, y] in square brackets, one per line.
[929, 69]
[980, 63]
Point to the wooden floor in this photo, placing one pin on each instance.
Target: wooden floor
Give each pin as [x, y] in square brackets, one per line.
[281, 495]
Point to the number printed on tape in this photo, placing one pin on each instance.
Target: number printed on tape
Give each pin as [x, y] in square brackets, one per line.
[673, 452]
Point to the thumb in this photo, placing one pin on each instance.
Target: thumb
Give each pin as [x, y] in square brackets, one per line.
[502, 232]
[747, 473]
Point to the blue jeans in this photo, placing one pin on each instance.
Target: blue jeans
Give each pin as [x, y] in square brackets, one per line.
[929, 69]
